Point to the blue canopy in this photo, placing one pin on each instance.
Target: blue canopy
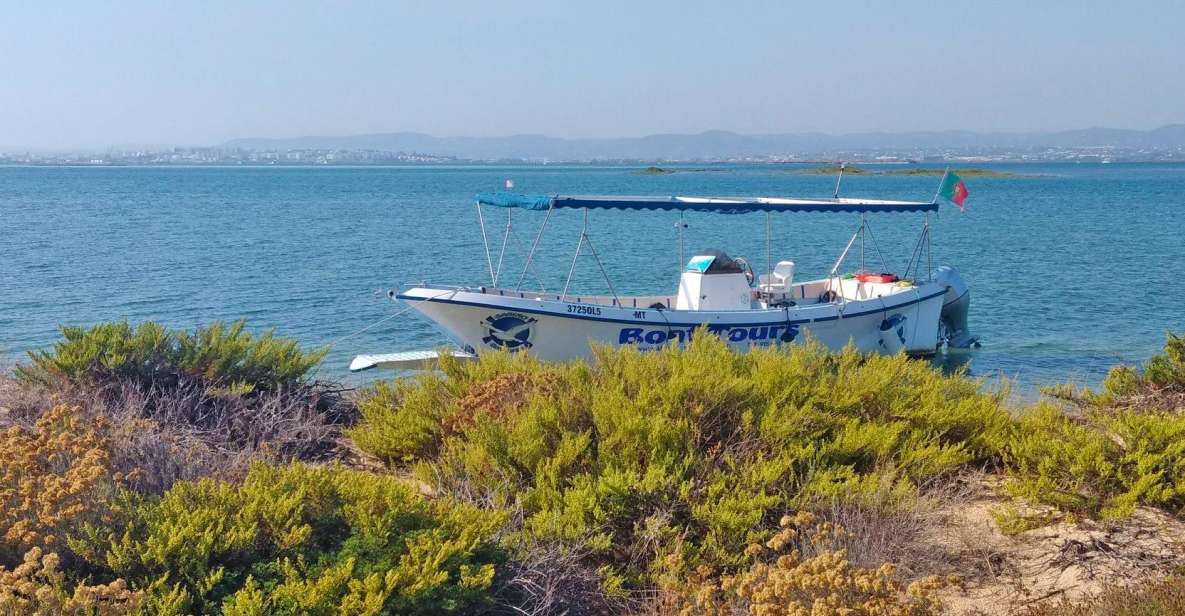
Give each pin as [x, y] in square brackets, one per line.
[727, 205]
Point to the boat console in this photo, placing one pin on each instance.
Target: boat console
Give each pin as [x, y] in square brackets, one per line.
[714, 281]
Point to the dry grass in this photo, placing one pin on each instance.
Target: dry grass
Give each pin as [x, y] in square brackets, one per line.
[552, 579]
[163, 435]
[1065, 559]
[1157, 597]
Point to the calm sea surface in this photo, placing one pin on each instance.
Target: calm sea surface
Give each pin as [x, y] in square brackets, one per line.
[1072, 268]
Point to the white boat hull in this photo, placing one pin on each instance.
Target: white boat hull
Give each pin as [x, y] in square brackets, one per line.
[480, 321]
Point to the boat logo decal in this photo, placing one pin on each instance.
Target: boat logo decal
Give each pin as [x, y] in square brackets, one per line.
[508, 330]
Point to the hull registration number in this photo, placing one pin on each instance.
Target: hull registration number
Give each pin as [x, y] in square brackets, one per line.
[578, 309]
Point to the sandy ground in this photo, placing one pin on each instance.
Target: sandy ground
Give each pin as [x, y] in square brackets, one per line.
[1005, 574]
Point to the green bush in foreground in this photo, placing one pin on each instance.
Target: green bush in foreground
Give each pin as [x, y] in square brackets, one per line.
[561, 487]
[1106, 464]
[298, 540]
[1126, 448]
[150, 355]
[662, 461]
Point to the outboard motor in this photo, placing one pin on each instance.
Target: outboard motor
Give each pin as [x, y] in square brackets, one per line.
[953, 320]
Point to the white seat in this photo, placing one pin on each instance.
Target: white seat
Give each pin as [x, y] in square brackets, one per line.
[779, 280]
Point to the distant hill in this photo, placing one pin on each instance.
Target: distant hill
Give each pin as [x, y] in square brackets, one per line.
[719, 144]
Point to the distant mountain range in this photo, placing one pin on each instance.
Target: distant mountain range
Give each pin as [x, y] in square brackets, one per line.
[717, 145]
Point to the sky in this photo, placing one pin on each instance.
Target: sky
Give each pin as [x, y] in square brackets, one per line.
[96, 73]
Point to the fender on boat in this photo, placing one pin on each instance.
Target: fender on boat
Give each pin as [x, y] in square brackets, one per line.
[955, 304]
[893, 334]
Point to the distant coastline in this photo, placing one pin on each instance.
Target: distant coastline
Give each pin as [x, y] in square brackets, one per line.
[915, 171]
[1092, 145]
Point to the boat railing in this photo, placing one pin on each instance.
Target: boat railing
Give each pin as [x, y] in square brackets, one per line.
[637, 301]
[806, 291]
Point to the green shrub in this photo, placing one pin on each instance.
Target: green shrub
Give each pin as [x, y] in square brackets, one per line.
[1168, 368]
[1159, 384]
[298, 540]
[1124, 448]
[658, 461]
[220, 355]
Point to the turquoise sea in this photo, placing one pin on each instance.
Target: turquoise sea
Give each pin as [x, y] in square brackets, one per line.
[1072, 267]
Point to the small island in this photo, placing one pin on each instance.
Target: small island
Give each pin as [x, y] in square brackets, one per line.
[652, 170]
[966, 173]
[913, 171]
[834, 170]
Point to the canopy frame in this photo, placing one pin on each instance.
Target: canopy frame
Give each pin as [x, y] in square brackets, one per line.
[724, 205]
[732, 205]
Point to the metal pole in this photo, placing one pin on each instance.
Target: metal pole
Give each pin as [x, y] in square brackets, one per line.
[929, 265]
[531, 254]
[939, 191]
[682, 225]
[486, 244]
[844, 254]
[839, 179]
[769, 266]
[862, 224]
[915, 254]
[604, 274]
[835, 268]
[505, 239]
[575, 256]
[876, 247]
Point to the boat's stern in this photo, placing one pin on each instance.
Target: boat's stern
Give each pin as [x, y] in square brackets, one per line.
[955, 305]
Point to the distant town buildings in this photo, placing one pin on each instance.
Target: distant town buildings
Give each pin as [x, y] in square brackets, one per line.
[223, 156]
[239, 156]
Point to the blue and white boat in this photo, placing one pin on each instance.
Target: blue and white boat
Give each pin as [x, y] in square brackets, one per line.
[917, 312]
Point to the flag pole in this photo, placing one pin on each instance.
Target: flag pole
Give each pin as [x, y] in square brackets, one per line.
[941, 183]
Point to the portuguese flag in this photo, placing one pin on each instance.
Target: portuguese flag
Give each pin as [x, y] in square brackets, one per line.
[953, 189]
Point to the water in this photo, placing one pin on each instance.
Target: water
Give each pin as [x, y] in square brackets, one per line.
[1073, 268]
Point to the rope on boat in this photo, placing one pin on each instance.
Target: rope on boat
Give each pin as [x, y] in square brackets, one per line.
[397, 313]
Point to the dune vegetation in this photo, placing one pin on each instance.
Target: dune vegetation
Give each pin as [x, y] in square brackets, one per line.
[158, 471]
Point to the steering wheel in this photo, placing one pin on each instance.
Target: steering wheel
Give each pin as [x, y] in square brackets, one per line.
[748, 269]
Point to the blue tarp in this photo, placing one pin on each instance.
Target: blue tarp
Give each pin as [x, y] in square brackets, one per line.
[727, 205]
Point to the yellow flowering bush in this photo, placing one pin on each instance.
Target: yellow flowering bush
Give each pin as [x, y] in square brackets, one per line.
[799, 572]
[54, 478]
[38, 586]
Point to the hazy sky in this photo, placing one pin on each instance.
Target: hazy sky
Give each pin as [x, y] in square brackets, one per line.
[99, 73]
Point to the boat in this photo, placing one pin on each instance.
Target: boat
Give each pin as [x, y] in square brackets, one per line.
[919, 311]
